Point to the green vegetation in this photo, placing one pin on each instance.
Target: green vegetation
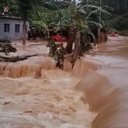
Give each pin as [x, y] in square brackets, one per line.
[13, 7]
[78, 18]
[48, 12]
[119, 19]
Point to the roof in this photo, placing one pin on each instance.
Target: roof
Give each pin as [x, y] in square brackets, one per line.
[10, 17]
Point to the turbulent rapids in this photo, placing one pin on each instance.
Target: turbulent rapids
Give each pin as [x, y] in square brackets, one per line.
[92, 95]
[47, 102]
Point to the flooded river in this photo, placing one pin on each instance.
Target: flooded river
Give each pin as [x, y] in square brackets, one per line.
[92, 95]
[106, 90]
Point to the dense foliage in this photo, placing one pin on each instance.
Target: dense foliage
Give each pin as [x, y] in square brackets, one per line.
[119, 19]
[44, 12]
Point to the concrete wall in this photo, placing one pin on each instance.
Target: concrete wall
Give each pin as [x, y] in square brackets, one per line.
[12, 35]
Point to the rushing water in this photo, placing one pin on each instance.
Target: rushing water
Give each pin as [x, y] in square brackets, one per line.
[47, 102]
[106, 90]
[60, 99]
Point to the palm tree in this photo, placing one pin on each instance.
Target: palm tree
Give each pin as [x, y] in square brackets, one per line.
[62, 14]
[83, 16]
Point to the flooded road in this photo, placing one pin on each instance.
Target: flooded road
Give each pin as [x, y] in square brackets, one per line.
[93, 95]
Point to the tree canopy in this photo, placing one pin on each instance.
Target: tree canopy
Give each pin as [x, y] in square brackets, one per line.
[44, 12]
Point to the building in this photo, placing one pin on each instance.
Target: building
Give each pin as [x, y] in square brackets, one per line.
[11, 27]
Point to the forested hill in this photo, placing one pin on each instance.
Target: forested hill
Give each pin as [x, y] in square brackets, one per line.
[118, 9]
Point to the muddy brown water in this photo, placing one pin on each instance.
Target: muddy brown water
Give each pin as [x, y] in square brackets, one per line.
[98, 79]
[106, 90]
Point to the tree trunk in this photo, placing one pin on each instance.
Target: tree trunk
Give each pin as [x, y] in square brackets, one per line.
[24, 32]
[70, 41]
[77, 50]
[48, 34]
